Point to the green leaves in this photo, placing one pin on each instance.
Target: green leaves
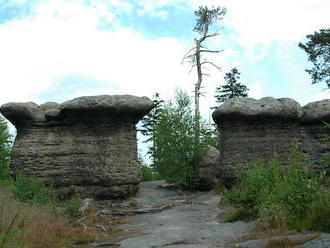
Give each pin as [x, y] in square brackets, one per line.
[5, 146]
[176, 148]
[279, 193]
[206, 16]
[318, 50]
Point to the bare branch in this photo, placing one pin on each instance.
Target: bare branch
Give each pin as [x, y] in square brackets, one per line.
[208, 62]
[184, 57]
[211, 51]
[205, 74]
[101, 227]
[212, 35]
[192, 67]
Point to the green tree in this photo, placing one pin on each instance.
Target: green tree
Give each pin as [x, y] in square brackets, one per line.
[175, 148]
[205, 18]
[232, 88]
[317, 48]
[149, 122]
[5, 145]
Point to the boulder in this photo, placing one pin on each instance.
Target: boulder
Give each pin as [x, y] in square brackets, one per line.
[206, 168]
[85, 146]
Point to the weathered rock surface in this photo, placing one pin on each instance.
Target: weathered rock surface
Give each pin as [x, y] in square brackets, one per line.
[191, 221]
[310, 240]
[252, 129]
[86, 145]
[206, 168]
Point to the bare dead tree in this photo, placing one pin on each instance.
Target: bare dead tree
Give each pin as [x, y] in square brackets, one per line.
[205, 18]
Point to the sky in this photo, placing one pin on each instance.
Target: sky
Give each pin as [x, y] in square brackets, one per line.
[55, 50]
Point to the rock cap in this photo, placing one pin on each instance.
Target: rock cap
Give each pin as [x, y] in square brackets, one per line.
[250, 108]
[317, 111]
[85, 107]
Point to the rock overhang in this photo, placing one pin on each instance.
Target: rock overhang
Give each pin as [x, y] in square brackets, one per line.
[245, 108]
[85, 107]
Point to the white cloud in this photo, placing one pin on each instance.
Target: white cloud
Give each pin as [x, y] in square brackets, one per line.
[325, 94]
[255, 90]
[262, 22]
[63, 38]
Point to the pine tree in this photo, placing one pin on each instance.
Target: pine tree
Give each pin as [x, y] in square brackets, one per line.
[232, 88]
[318, 50]
[149, 122]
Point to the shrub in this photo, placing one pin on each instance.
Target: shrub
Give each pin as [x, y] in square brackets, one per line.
[280, 195]
[317, 220]
[178, 142]
[31, 226]
[149, 173]
[31, 190]
[5, 145]
[72, 207]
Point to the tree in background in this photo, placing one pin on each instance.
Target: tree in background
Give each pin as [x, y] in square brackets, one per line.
[205, 18]
[175, 148]
[5, 145]
[149, 122]
[318, 50]
[232, 88]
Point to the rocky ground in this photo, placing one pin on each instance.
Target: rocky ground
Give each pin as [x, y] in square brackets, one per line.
[170, 218]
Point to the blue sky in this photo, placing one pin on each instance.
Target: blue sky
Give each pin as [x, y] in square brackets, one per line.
[54, 50]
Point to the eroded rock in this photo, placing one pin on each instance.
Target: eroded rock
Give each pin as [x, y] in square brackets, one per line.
[252, 129]
[206, 168]
[86, 145]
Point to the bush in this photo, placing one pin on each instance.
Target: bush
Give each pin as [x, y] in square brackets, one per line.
[149, 173]
[5, 145]
[280, 195]
[31, 190]
[72, 207]
[178, 143]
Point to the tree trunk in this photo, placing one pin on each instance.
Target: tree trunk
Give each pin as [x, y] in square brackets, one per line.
[197, 87]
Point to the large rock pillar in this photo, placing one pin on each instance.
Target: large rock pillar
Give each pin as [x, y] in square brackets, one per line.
[315, 134]
[86, 145]
[254, 129]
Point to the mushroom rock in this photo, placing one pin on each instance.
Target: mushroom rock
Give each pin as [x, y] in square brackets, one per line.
[85, 146]
[256, 129]
[315, 133]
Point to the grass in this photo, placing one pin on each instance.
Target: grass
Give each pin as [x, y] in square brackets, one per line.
[284, 238]
[288, 242]
[28, 225]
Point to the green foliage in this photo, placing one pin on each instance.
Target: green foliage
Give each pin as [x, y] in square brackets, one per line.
[279, 195]
[175, 145]
[72, 207]
[32, 191]
[149, 173]
[206, 16]
[318, 50]
[316, 220]
[149, 122]
[232, 88]
[244, 214]
[5, 145]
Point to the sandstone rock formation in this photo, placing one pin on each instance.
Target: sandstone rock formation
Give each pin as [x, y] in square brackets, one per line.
[86, 145]
[251, 129]
[206, 168]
